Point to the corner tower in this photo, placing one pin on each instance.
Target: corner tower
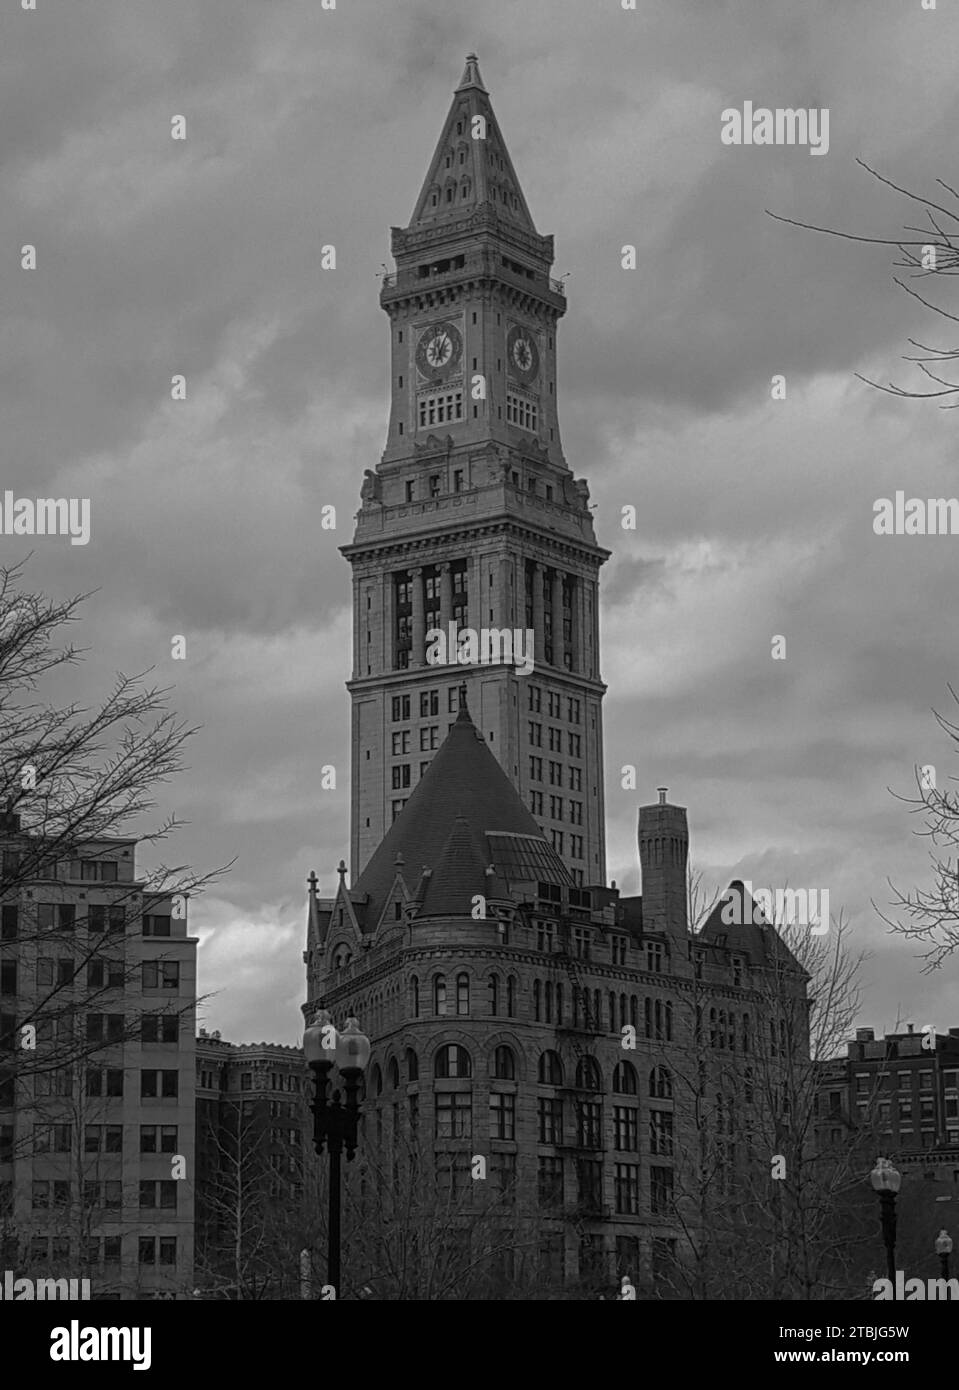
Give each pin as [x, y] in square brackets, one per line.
[472, 516]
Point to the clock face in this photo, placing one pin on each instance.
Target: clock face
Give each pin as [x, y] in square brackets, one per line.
[439, 351]
[522, 353]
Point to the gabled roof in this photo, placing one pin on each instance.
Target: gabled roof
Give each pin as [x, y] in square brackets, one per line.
[742, 925]
[457, 822]
[486, 172]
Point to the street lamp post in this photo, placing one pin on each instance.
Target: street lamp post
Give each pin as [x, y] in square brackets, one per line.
[886, 1181]
[335, 1120]
[944, 1250]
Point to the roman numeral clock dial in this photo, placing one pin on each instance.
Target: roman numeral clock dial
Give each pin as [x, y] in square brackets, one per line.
[439, 351]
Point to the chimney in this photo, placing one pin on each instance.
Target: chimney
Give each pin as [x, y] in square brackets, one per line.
[663, 851]
[911, 1027]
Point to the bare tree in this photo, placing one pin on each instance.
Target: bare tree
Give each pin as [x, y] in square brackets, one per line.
[928, 249]
[930, 916]
[72, 781]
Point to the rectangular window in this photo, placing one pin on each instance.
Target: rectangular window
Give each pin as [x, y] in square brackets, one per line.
[626, 1182]
[401, 743]
[660, 1191]
[625, 1129]
[440, 409]
[502, 1116]
[156, 925]
[550, 1181]
[159, 1028]
[401, 707]
[661, 1133]
[454, 1114]
[550, 1120]
[522, 411]
[401, 776]
[589, 1128]
[161, 974]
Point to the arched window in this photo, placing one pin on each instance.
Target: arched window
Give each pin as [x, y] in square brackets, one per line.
[412, 1065]
[439, 994]
[660, 1084]
[494, 994]
[511, 996]
[712, 1028]
[504, 1064]
[612, 1012]
[588, 1076]
[633, 1011]
[668, 1009]
[624, 1079]
[376, 1080]
[462, 993]
[549, 1002]
[597, 1009]
[537, 991]
[550, 1069]
[451, 1061]
[648, 1017]
[415, 996]
[623, 1016]
[559, 1005]
[393, 1074]
[745, 1032]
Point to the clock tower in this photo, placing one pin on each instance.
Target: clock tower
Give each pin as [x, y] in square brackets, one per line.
[472, 517]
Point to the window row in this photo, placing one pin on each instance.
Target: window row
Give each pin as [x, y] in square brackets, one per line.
[101, 918]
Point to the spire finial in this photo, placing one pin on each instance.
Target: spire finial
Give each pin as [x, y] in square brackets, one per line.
[312, 881]
[471, 74]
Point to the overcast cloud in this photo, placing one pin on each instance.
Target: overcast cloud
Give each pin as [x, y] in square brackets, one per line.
[754, 517]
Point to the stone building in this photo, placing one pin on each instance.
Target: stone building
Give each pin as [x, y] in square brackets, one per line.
[590, 1050]
[251, 1128]
[901, 1091]
[97, 1023]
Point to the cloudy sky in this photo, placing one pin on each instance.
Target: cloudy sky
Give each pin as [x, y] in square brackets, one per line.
[201, 257]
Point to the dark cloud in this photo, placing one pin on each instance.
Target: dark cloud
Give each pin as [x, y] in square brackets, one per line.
[308, 127]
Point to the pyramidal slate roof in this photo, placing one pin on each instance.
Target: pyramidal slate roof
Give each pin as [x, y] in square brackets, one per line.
[484, 176]
[461, 816]
[748, 931]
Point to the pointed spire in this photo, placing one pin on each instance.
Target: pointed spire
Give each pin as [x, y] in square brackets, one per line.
[471, 167]
[313, 912]
[471, 74]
